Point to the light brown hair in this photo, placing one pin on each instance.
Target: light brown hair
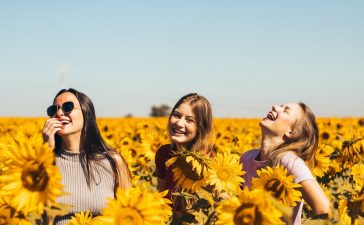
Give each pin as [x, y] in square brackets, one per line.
[202, 109]
[303, 141]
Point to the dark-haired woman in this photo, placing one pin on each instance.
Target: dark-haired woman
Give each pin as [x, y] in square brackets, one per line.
[91, 170]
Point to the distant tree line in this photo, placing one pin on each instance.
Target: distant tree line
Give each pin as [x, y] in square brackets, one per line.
[160, 111]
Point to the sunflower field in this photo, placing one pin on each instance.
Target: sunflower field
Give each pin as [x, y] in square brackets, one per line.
[210, 189]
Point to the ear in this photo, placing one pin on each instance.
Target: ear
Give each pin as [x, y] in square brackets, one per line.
[287, 135]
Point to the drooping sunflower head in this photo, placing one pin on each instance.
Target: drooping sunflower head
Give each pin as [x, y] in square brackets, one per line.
[352, 152]
[136, 206]
[249, 208]
[279, 184]
[351, 210]
[189, 169]
[31, 181]
[225, 173]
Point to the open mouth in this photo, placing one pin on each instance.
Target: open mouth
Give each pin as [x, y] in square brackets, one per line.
[271, 116]
[65, 122]
[178, 132]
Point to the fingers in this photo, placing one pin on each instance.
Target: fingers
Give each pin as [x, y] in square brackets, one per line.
[51, 126]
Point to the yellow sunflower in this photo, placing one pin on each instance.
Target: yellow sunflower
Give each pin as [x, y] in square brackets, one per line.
[225, 173]
[249, 208]
[82, 218]
[190, 169]
[350, 211]
[352, 152]
[357, 171]
[322, 160]
[151, 142]
[31, 181]
[9, 216]
[278, 184]
[136, 206]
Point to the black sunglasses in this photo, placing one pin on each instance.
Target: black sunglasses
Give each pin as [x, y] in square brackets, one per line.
[67, 107]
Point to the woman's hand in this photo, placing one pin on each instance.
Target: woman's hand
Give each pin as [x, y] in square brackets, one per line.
[50, 128]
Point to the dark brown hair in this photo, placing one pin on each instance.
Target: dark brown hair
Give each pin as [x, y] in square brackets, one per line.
[93, 145]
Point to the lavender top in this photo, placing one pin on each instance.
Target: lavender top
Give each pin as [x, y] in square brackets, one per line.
[294, 164]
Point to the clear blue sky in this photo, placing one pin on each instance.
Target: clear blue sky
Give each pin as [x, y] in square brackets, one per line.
[126, 56]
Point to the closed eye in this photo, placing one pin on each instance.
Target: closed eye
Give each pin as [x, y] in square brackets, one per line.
[287, 109]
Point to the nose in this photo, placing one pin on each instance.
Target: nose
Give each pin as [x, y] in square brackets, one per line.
[275, 107]
[59, 112]
[179, 122]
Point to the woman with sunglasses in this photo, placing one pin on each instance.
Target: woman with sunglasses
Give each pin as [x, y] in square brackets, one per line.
[91, 170]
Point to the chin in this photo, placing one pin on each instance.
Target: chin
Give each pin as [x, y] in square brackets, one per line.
[63, 133]
[262, 124]
[178, 141]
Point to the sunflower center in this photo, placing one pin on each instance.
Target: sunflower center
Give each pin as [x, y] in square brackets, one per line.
[34, 177]
[188, 170]
[129, 216]
[248, 214]
[275, 186]
[223, 174]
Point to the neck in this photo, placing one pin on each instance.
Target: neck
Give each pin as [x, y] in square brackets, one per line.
[72, 142]
[268, 144]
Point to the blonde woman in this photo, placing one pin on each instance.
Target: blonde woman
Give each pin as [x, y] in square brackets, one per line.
[290, 138]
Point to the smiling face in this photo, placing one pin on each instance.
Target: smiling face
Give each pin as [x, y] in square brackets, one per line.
[182, 127]
[281, 120]
[72, 122]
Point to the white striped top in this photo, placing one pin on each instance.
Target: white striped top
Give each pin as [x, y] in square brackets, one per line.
[81, 197]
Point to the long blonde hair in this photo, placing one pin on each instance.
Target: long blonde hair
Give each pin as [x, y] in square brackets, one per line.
[202, 109]
[304, 139]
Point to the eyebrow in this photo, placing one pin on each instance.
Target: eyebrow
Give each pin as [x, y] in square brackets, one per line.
[176, 111]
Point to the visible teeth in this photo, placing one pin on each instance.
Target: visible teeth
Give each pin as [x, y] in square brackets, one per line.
[270, 116]
[178, 132]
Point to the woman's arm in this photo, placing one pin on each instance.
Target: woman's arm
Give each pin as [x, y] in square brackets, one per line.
[315, 197]
[311, 191]
[124, 174]
[161, 156]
